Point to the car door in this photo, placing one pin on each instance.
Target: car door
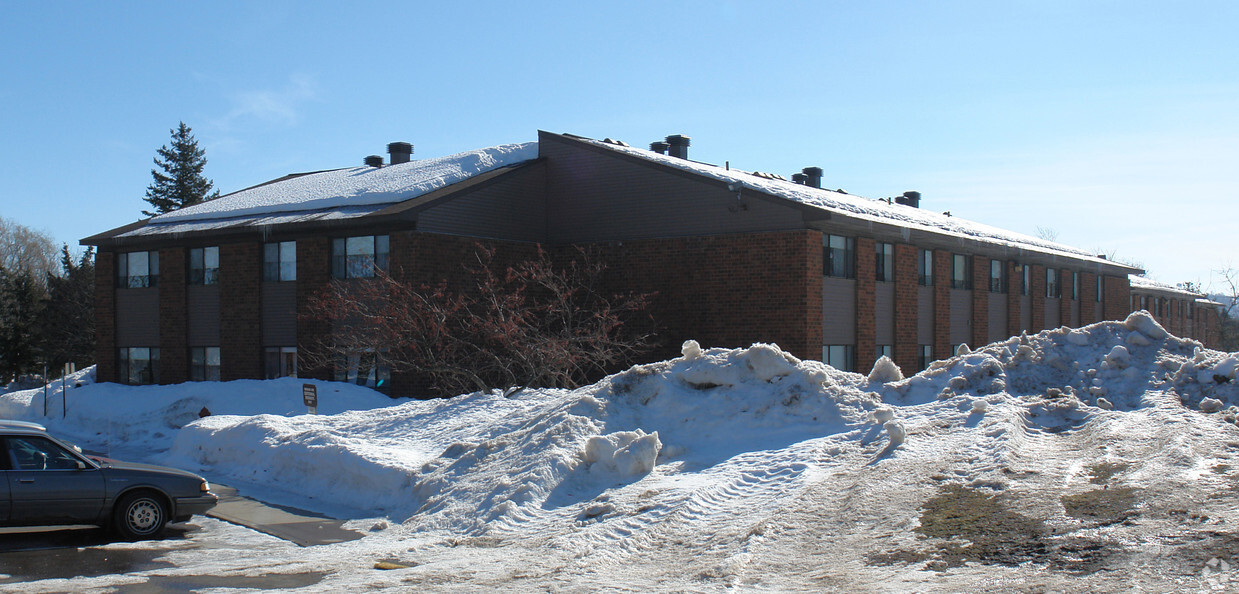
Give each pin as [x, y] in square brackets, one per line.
[47, 486]
[4, 484]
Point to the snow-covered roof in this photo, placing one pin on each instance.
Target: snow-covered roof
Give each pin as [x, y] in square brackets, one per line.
[1148, 284]
[858, 207]
[338, 193]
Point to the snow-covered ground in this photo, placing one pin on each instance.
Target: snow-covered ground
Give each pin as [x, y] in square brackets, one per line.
[1104, 458]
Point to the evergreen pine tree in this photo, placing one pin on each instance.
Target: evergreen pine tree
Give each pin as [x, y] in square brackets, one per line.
[21, 302]
[181, 183]
[67, 323]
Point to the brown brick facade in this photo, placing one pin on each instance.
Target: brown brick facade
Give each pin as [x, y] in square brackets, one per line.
[906, 307]
[1088, 298]
[1117, 297]
[173, 349]
[1015, 289]
[240, 318]
[942, 304]
[105, 317]
[313, 274]
[980, 300]
[1065, 304]
[866, 299]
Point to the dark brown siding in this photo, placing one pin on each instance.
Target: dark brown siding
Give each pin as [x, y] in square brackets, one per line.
[203, 315]
[279, 314]
[1053, 310]
[137, 317]
[105, 317]
[997, 317]
[173, 352]
[838, 310]
[240, 272]
[514, 208]
[313, 274]
[925, 316]
[961, 316]
[884, 310]
[598, 196]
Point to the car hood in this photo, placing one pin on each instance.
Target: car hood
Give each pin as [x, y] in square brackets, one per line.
[111, 464]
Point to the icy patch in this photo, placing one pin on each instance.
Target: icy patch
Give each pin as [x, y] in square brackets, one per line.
[627, 453]
[885, 371]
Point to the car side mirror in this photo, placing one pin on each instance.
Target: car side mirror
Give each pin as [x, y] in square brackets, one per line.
[80, 465]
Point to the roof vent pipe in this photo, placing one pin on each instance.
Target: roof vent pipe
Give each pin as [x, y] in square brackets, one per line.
[659, 147]
[798, 178]
[401, 152]
[374, 161]
[909, 198]
[678, 145]
[812, 176]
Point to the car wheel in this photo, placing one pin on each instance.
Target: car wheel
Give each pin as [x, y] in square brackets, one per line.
[139, 515]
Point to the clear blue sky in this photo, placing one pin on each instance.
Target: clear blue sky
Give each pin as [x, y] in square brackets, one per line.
[1113, 123]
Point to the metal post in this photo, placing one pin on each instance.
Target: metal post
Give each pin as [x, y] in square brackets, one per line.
[45, 389]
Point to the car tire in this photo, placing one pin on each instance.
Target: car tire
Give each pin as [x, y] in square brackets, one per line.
[139, 515]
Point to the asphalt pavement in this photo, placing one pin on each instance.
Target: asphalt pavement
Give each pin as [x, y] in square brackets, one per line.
[302, 527]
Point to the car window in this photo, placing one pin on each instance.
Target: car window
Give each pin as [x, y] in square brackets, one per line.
[37, 453]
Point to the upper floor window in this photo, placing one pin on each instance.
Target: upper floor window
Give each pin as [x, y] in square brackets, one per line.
[1052, 288]
[1101, 287]
[204, 266]
[1075, 285]
[840, 260]
[925, 267]
[358, 257]
[885, 262]
[135, 270]
[1026, 286]
[279, 261]
[997, 276]
[961, 273]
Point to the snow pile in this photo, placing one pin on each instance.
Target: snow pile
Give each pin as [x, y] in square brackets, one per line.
[355, 186]
[751, 468]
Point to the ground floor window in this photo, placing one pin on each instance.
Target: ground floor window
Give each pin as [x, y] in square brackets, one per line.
[365, 368]
[204, 364]
[138, 365]
[839, 356]
[280, 362]
[884, 350]
[926, 356]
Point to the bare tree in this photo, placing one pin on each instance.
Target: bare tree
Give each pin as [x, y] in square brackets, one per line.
[1047, 233]
[1226, 284]
[24, 249]
[534, 324]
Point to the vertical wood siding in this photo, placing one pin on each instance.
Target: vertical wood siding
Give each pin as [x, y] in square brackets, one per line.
[203, 314]
[838, 310]
[961, 316]
[884, 295]
[512, 208]
[924, 315]
[137, 317]
[279, 314]
[997, 316]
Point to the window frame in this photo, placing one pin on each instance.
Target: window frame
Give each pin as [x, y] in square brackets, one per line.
[999, 284]
[275, 362]
[349, 261]
[349, 365]
[961, 263]
[884, 262]
[846, 351]
[125, 365]
[925, 355]
[283, 267]
[123, 264]
[204, 364]
[199, 269]
[832, 254]
[1026, 283]
[1053, 290]
[925, 268]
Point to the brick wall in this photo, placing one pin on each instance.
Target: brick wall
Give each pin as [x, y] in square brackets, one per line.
[1088, 298]
[942, 304]
[906, 311]
[1038, 298]
[866, 315]
[1015, 290]
[1064, 304]
[313, 274]
[980, 301]
[240, 324]
[1116, 297]
[105, 317]
[173, 349]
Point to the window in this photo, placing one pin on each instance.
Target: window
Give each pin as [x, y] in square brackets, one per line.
[926, 356]
[1189, 309]
[840, 260]
[358, 257]
[39, 453]
[925, 268]
[997, 276]
[886, 262]
[1052, 289]
[961, 275]
[135, 270]
[839, 356]
[280, 362]
[364, 368]
[1026, 287]
[1075, 286]
[204, 364]
[279, 261]
[204, 266]
[1101, 287]
[883, 350]
[138, 365]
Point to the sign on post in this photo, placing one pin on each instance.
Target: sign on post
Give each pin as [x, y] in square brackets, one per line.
[309, 394]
